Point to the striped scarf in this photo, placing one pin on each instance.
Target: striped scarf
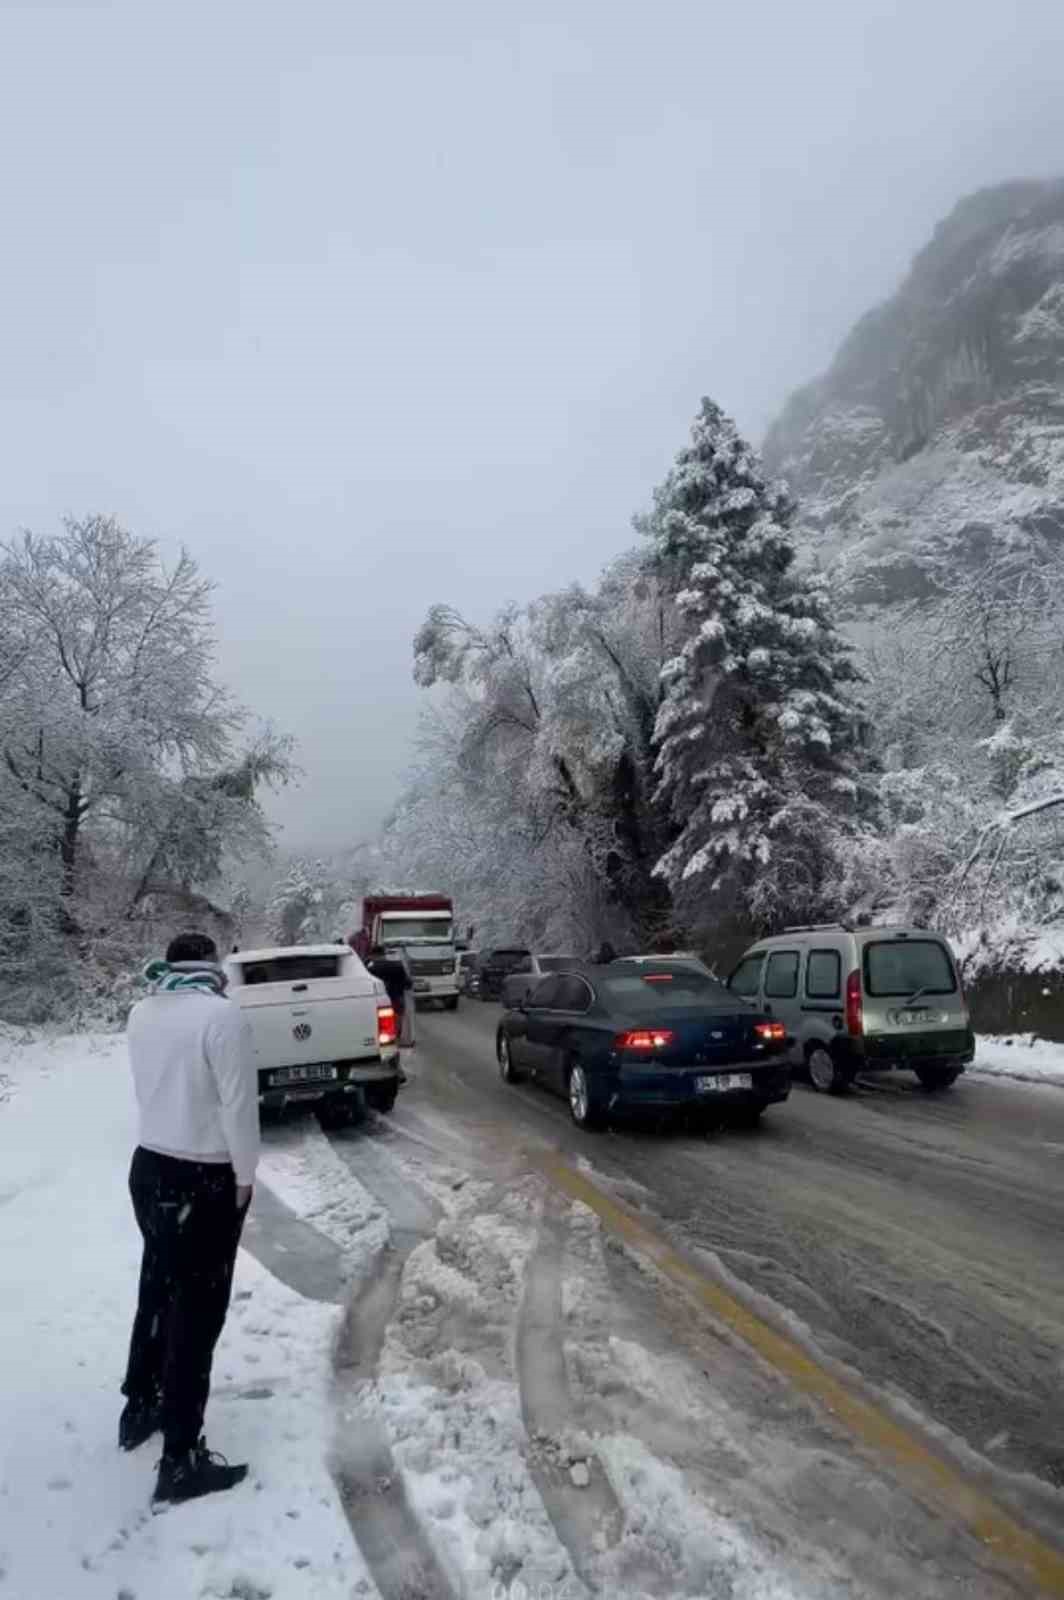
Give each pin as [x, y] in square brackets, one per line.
[183, 977]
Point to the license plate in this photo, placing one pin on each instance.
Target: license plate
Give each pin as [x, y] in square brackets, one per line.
[320, 1072]
[721, 1081]
[420, 985]
[906, 1018]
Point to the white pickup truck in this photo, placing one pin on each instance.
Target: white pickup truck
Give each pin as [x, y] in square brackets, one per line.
[324, 1029]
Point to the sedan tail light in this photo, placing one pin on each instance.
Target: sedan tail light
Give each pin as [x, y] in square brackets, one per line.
[644, 1040]
[387, 1025]
[772, 1032]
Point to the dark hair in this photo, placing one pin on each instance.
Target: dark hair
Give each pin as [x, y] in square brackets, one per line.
[191, 947]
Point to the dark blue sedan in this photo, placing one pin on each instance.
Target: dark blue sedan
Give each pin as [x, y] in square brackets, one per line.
[645, 1036]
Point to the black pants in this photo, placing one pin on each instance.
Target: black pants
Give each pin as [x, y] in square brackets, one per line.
[187, 1214]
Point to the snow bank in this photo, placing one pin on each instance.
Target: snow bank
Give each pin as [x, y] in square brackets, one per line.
[1020, 1056]
[74, 1512]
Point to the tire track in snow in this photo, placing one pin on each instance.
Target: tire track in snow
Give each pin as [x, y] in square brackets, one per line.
[293, 1250]
[588, 1520]
[386, 1528]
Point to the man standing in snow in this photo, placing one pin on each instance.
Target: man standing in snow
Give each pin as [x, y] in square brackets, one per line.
[194, 1076]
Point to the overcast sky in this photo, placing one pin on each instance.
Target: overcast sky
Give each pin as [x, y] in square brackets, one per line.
[377, 305]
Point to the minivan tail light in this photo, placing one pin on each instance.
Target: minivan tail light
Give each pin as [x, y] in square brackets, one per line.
[644, 1040]
[387, 1025]
[854, 1005]
[774, 1032]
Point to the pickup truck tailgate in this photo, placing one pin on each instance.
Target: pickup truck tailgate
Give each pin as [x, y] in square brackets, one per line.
[311, 1019]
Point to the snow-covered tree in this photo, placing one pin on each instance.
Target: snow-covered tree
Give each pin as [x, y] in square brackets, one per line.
[307, 904]
[126, 785]
[556, 709]
[761, 758]
[964, 694]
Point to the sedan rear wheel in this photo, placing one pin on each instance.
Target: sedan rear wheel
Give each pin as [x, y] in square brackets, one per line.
[584, 1104]
[825, 1073]
[507, 1071]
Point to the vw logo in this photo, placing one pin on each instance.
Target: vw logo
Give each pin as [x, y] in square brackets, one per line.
[302, 1031]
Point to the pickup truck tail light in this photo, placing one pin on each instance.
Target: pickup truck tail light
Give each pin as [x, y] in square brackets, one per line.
[644, 1040]
[770, 1032]
[387, 1025]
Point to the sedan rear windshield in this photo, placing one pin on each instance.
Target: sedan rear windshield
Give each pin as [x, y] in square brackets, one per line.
[656, 990]
[512, 960]
[291, 969]
[896, 967]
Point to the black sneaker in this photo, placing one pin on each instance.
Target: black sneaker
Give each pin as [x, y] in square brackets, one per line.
[137, 1424]
[194, 1474]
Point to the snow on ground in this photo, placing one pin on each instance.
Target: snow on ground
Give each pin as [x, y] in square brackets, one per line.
[712, 1505]
[1022, 1056]
[449, 1404]
[74, 1511]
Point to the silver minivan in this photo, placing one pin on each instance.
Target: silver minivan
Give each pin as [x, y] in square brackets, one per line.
[862, 1000]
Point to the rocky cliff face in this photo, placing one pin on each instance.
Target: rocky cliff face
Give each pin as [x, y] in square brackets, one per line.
[938, 432]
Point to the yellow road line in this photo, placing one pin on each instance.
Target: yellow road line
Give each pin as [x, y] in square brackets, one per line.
[914, 1461]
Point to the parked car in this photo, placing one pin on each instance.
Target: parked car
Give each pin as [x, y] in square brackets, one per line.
[517, 986]
[498, 964]
[324, 1030]
[468, 962]
[655, 1037]
[862, 1000]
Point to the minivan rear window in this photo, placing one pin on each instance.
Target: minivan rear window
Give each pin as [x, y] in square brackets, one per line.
[908, 966]
[291, 969]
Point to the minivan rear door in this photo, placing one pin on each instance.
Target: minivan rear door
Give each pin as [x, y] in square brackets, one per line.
[306, 1007]
[911, 990]
[779, 988]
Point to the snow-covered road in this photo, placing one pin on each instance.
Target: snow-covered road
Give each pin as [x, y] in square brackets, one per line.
[453, 1380]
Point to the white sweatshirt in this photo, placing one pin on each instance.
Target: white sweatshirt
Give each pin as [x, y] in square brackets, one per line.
[194, 1075]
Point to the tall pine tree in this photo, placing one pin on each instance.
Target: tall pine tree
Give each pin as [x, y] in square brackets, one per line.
[760, 758]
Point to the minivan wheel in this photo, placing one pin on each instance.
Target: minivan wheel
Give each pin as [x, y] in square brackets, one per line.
[825, 1073]
[584, 1106]
[932, 1078]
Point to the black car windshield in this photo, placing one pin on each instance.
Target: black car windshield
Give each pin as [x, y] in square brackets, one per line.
[908, 967]
[654, 988]
[557, 963]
